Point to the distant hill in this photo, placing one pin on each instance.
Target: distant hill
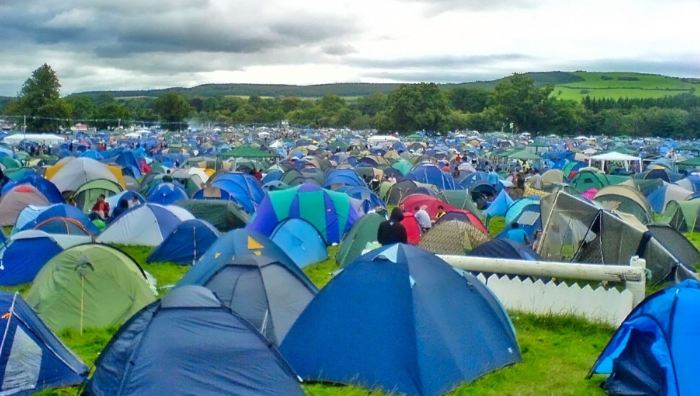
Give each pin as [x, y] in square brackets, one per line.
[567, 85]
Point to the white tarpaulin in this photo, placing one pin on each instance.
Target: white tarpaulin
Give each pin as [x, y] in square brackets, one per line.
[48, 139]
[614, 156]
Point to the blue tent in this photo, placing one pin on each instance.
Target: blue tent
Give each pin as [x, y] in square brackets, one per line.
[32, 357]
[47, 188]
[188, 342]
[431, 174]
[123, 198]
[31, 216]
[402, 320]
[370, 200]
[504, 248]
[239, 187]
[500, 205]
[25, 255]
[301, 241]
[527, 213]
[166, 194]
[186, 243]
[655, 350]
[239, 242]
[343, 177]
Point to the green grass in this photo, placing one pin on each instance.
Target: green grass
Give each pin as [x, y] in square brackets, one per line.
[623, 85]
[557, 352]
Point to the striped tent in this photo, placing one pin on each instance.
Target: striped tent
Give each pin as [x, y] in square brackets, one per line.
[330, 213]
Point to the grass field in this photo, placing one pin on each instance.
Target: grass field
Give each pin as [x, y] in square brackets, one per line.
[619, 85]
[557, 352]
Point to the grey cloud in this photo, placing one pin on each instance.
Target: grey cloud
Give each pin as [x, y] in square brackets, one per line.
[685, 67]
[198, 25]
[436, 76]
[338, 49]
[438, 61]
[434, 7]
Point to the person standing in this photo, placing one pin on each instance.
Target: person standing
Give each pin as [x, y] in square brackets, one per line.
[423, 218]
[392, 231]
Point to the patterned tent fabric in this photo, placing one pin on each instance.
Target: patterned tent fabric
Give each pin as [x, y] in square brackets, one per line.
[453, 237]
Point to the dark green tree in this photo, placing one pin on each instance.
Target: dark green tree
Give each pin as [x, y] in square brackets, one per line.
[82, 107]
[519, 101]
[468, 100]
[40, 100]
[173, 109]
[415, 107]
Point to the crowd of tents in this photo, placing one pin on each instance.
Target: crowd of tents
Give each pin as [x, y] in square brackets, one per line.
[396, 318]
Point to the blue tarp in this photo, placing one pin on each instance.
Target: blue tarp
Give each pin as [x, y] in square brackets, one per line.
[188, 342]
[401, 320]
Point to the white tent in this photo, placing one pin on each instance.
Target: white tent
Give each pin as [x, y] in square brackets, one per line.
[48, 139]
[614, 156]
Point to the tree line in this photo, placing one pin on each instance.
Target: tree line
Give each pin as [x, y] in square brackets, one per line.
[516, 104]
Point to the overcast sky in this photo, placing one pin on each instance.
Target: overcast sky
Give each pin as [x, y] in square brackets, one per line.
[141, 44]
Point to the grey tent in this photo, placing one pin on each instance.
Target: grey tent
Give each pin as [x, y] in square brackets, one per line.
[267, 292]
[578, 230]
[222, 214]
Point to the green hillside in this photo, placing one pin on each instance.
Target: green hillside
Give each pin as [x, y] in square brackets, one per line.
[629, 85]
[567, 85]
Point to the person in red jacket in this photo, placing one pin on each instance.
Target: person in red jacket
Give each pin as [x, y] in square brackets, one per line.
[101, 207]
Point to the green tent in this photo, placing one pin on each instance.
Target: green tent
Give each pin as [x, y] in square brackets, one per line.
[524, 155]
[690, 162]
[364, 231]
[222, 214]
[402, 166]
[683, 215]
[8, 163]
[86, 195]
[588, 178]
[246, 152]
[462, 199]
[89, 286]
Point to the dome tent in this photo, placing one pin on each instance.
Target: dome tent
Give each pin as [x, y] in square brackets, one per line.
[86, 195]
[24, 255]
[331, 213]
[267, 292]
[166, 194]
[156, 352]
[401, 320]
[300, 241]
[146, 225]
[224, 215]
[18, 198]
[654, 351]
[186, 243]
[89, 286]
[239, 242]
[363, 232]
[32, 357]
